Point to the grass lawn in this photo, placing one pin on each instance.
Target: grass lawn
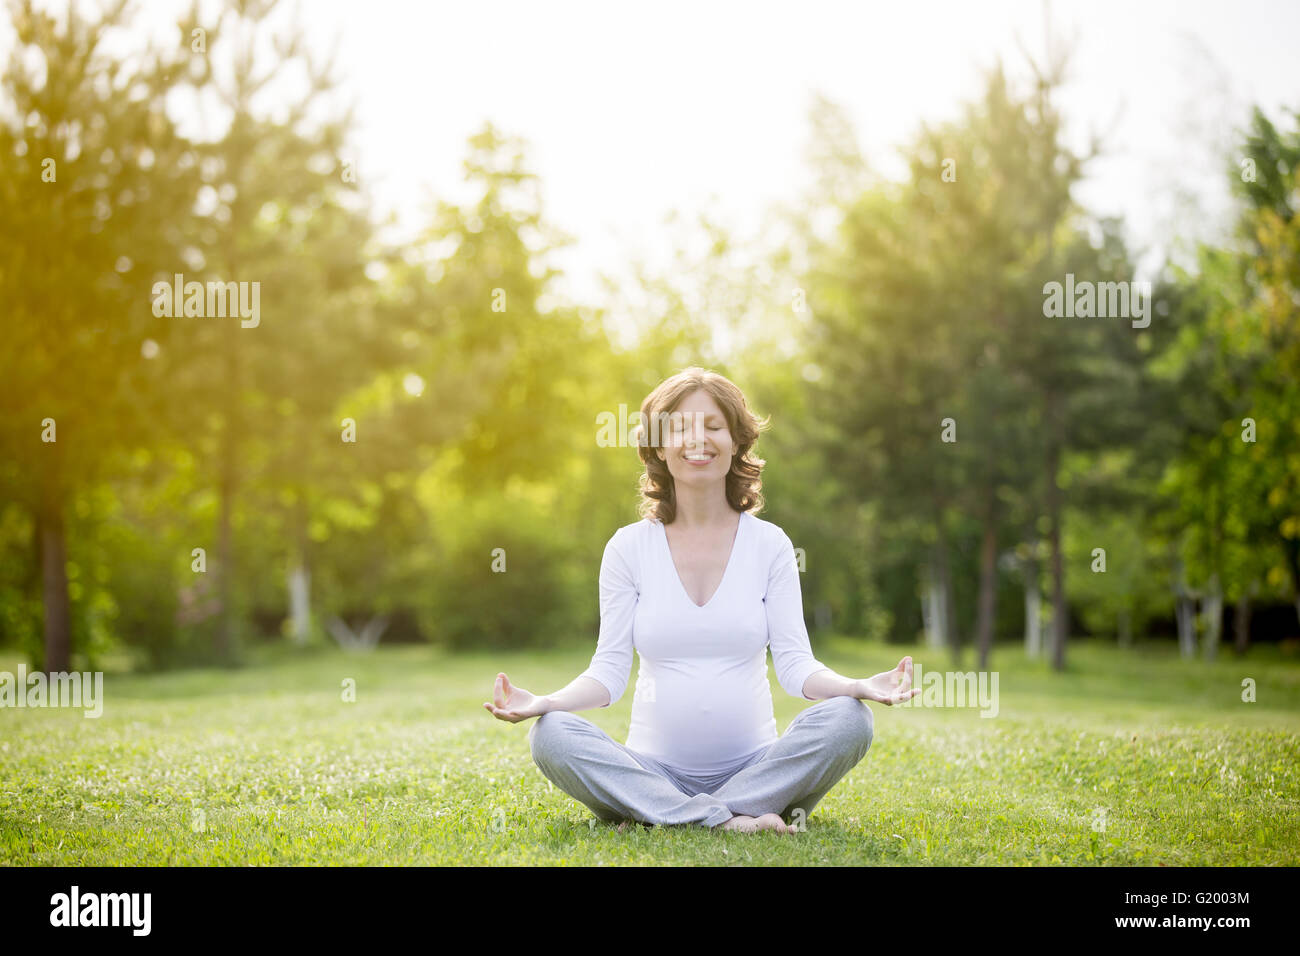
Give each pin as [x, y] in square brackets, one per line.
[1130, 758]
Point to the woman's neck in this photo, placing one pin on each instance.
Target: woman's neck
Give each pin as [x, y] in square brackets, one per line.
[707, 508]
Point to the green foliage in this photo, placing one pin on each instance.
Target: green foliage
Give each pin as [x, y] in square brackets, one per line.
[474, 390]
[1226, 374]
[498, 584]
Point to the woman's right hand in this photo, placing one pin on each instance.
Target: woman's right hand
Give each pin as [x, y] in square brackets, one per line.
[514, 704]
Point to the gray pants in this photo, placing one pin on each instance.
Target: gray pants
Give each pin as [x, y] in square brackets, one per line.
[819, 747]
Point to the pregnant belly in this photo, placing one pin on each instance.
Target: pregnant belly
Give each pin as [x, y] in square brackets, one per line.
[700, 728]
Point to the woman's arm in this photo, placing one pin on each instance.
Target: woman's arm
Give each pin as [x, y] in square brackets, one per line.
[604, 681]
[826, 683]
[787, 635]
[888, 687]
[611, 665]
[582, 693]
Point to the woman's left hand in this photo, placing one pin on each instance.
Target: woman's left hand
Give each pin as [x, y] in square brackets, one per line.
[890, 687]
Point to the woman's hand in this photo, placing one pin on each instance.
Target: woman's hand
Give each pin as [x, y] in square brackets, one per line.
[890, 687]
[514, 703]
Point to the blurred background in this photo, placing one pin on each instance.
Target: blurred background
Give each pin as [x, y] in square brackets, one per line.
[478, 236]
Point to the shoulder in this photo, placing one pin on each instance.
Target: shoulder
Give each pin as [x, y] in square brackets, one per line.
[631, 536]
[772, 536]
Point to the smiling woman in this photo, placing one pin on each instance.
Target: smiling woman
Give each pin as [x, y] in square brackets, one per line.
[710, 427]
[700, 588]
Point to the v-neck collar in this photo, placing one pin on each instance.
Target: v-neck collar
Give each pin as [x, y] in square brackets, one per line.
[726, 572]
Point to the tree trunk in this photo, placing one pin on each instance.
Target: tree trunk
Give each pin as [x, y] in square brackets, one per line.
[225, 637]
[926, 626]
[1212, 614]
[232, 429]
[299, 602]
[988, 583]
[948, 618]
[1033, 609]
[1241, 619]
[365, 640]
[299, 579]
[822, 617]
[54, 585]
[1185, 614]
[1033, 620]
[1060, 612]
[932, 609]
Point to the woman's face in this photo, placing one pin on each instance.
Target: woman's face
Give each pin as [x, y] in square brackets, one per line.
[698, 446]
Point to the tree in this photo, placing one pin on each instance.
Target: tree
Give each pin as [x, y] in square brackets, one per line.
[931, 325]
[277, 215]
[97, 187]
[1229, 378]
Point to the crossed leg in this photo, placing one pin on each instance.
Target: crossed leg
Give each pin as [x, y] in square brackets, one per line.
[819, 747]
[598, 771]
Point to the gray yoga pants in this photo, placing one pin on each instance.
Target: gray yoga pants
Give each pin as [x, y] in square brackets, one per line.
[819, 747]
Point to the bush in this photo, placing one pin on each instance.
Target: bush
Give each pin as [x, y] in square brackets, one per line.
[512, 598]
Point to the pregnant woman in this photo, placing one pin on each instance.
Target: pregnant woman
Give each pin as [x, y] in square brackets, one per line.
[700, 588]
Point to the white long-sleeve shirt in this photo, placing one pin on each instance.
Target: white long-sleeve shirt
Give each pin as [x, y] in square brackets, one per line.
[703, 704]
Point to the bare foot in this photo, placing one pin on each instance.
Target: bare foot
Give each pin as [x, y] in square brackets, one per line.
[740, 823]
[772, 821]
[747, 824]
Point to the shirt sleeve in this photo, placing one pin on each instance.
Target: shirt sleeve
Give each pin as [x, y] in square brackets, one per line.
[612, 662]
[787, 635]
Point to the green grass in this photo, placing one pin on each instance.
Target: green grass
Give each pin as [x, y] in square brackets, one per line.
[268, 765]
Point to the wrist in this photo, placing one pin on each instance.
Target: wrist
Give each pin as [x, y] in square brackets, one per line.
[545, 704]
[858, 689]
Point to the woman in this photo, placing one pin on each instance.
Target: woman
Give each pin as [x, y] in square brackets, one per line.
[701, 587]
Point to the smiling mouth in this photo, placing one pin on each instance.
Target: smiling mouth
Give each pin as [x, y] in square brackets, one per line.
[701, 459]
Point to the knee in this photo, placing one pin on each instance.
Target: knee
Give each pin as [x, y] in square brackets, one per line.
[853, 722]
[546, 736]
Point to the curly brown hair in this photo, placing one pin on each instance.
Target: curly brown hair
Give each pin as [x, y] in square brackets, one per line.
[658, 492]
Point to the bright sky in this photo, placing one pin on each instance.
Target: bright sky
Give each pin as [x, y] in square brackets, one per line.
[631, 110]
